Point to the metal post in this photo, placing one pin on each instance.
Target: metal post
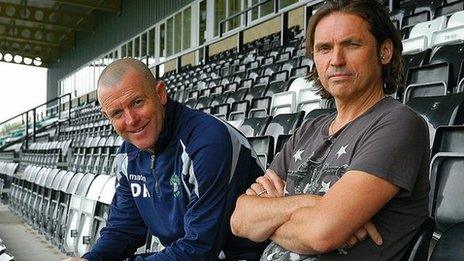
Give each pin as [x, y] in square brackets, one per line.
[27, 129]
[240, 42]
[179, 64]
[33, 125]
[59, 108]
[284, 29]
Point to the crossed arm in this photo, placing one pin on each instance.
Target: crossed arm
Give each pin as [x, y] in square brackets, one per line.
[310, 224]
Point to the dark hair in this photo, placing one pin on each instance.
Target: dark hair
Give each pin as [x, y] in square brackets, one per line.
[380, 26]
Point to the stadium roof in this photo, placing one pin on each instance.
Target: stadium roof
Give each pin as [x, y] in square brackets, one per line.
[35, 32]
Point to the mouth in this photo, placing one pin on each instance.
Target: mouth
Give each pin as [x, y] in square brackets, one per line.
[340, 77]
[138, 130]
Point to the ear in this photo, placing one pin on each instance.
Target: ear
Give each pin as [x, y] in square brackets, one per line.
[386, 51]
[160, 90]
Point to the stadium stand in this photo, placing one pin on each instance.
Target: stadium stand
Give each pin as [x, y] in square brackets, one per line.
[62, 183]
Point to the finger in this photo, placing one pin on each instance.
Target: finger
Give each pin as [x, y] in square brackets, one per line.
[361, 234]
[250, 192]
[257, 188]
[278, 182]
[267, 184]
[352, 241]
[373, 233]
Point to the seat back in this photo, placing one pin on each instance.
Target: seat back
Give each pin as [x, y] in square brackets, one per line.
[448, 139]
[264, 148]
[284, 124]
[284, 102]
[439, 110]
[450, 246]
[446, 179]
[253, 127]
[419, 247]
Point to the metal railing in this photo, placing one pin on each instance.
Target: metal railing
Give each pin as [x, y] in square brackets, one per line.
[26, 125]
[222, 22]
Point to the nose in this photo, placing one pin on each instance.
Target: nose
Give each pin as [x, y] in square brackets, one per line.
[338, 57]
[131, 117]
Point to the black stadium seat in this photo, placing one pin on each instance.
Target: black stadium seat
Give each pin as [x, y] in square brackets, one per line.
[450, 246]
[447, 190]
[449, 139]
[453, 55]
[264, 148]
[253, 127]
[284, 124]
[439, 110]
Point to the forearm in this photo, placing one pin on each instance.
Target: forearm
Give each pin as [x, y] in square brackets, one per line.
[296, 236]
[257, 218]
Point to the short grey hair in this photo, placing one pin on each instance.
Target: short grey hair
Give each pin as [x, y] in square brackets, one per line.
[115, 72]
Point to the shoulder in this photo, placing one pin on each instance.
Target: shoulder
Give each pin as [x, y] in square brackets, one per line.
[403, 117]
[310, 126]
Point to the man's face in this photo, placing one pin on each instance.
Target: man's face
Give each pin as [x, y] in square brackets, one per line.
[345, 55]
[135, 109]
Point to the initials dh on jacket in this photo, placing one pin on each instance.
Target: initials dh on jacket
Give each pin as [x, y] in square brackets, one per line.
[137, 188]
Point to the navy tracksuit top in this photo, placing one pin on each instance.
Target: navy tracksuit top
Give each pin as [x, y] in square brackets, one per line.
[184, 194]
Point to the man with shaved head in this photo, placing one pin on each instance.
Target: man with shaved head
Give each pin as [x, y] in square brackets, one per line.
[179, 173]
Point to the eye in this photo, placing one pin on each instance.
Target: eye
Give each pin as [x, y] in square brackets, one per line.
[115, 114]
[138, 102]
[323, 49]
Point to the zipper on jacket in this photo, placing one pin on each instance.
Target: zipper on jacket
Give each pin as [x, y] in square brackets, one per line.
[153, 172]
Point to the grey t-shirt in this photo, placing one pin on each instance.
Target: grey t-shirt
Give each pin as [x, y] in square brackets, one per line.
[389, 141]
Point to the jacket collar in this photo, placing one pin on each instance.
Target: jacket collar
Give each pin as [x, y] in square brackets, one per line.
[170, 111]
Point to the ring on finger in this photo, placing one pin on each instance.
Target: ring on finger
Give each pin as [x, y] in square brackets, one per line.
[262, 192]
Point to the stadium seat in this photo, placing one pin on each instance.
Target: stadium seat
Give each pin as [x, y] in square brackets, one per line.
[260, 107]
[420, 37]
[87, 217]
[253, 127]
[454, 56]
[239, 110]
[284, 124]
[51, 214]
[264, 148]
[308, 100]
[450, 246]
[67, 187]
[428, 79]
[453, 33]
[446, 179]
[419, 248]
[75, 214]
[425, 90]
[439, 110]
[284, 102]
[448, 139]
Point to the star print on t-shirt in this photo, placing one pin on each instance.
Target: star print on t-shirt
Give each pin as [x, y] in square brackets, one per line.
[297, 155]
[342, 150]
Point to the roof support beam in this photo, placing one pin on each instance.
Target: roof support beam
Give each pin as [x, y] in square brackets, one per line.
[108, 5]
[40, 50]
[38, 35]
[43, 16]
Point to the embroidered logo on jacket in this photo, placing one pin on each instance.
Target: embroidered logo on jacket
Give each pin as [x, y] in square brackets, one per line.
[175, 185]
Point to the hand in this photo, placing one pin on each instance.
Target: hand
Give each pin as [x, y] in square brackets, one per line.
[74, 259]
[269, 185]
[367, 229]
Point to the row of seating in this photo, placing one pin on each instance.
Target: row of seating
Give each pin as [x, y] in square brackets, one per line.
[4, 254]
[68, 208]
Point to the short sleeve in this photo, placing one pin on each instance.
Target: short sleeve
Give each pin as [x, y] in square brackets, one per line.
[394, 149]
[281, 161]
